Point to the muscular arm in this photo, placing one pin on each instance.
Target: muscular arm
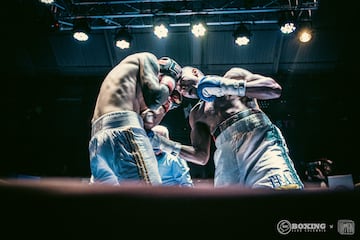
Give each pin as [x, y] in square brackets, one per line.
[198, 152]
[200, 136]
[155, 94]
[257, 86]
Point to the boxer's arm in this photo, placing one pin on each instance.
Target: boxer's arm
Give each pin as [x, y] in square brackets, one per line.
[166, 145]
[199, 151]
[238, 82]
[257, 86]
[155, 93]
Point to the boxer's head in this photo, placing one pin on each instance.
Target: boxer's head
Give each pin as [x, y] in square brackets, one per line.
[187, 85]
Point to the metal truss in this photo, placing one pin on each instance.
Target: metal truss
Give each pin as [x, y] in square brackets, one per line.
[144, 14]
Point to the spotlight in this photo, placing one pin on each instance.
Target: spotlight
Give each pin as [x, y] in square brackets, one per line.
[305, 35]
[81, 30]
[242, 35]
[123, 39]
[47, 1]
[305, 32]
[198, 30]
[287, 27]
[287, 23]
[161, 31]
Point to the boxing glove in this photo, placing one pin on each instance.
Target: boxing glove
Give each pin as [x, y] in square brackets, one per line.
[164, 144]
[170, 68]
[148, 116]
[211, 87]
[168, 81]
[174, 101]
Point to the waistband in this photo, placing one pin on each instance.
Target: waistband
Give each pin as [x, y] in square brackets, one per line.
[116, 120]
[234, 118]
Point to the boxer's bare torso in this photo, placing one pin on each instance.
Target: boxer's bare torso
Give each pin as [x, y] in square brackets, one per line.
[122, 88]
[213, 113]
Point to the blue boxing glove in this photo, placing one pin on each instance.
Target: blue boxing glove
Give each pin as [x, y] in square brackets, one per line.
[206, 83]
[211, 87]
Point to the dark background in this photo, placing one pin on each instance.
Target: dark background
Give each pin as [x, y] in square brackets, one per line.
[49, 87]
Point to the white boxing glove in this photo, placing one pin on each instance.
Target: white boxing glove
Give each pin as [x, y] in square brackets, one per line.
[164, 144]
[211, 87]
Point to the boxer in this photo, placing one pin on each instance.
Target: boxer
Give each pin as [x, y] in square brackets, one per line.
[250, 150]
[119, 148]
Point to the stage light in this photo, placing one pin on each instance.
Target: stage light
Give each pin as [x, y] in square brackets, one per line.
[305, 35]
[161, 31]
[305, 32]
[198, 30]
[47, 1]
[81, 30]
[123, 39]
[242, 35]
[287, 27]
[287, 23]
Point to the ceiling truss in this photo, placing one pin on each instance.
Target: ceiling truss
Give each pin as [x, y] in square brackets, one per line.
[177, 13]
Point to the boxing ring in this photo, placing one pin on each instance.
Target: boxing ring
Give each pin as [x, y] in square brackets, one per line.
[70, 208]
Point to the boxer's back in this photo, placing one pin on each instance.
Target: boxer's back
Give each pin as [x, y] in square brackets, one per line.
[121, 90]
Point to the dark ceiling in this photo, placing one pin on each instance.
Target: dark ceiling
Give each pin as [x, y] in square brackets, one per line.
[47, 44]
[50, 81]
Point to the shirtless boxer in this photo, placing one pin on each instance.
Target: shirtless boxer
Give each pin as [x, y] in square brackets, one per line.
[250, 149]
[119, 147]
